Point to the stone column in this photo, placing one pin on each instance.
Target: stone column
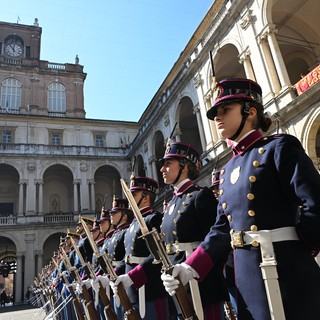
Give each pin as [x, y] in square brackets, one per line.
[196, 111]
[19, 289]
[244, 59]
[93, 197]
[29, 260]
[277, 57]
[40, 206]
[39, 261]
[21, 198]
[152, 162]
[75, 196]
[31, 190]
[206, 127]
[271, 69]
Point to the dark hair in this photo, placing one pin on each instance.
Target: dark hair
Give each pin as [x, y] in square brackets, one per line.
[263, 121]
[193, 172]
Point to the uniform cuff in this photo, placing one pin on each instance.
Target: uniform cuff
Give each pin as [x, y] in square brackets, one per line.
[201, 262]
[138, 276]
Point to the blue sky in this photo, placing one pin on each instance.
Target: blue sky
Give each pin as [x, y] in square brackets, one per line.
[127, 47]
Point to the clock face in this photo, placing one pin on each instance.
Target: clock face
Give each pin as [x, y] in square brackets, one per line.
[13, 50]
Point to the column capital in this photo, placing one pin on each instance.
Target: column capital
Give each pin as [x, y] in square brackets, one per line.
[266, 32]
[244, 55]
[246, 20]
[196, 109]
[39, 181]
[197, 80]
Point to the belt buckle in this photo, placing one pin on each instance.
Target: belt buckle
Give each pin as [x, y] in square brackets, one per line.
[237, 239]
[169, 248]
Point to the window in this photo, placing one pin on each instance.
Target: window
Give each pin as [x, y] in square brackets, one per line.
[99, 141]
[6, 136]
[11, 94]
[56, 139]
[56, 97]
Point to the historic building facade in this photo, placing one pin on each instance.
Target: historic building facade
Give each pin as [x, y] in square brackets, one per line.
[55, 163]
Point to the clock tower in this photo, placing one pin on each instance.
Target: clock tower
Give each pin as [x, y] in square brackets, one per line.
[20, 44]
[29, 85]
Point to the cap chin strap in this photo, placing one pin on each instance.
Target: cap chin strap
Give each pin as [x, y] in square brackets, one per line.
[245, 113]
[181, 166]
[144, 193]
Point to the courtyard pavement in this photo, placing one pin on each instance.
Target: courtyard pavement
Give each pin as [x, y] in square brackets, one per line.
[21, 312]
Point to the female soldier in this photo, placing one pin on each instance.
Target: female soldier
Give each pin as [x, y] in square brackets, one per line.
[267, 181]
[187, 219]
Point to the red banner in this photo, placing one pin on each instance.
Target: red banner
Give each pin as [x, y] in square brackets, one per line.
[308, 81]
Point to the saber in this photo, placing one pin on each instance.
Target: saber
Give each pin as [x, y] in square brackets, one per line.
[156, 248]
[108, 309]
[107, 267]
[76, 302]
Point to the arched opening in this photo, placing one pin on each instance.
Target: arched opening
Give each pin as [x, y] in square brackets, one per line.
[107, 184]
[159, 149]
[189, 131]
[58, 190]
[8, 268]
[9, 191]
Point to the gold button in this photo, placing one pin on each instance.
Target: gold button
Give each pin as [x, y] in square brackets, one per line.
[256, 163]
[252, 179]
[184, 204]
[224, 206]
[176, 242]
[174, 221]
[221, 191]
[222, 171]
[132, 248]
[251, 213]
[254, 228]
[133, 239]
[230, 217]
[221, 181]
[179, 212]
[250, 196]
[174, 232]
[261, 150]
[265, 138]
[255, 243]
[189, 195]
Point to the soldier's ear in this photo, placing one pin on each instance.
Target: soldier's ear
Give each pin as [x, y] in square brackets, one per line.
[252, 112]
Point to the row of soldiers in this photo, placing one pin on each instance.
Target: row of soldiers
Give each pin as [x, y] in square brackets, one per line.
[178, 264]
[76, 271]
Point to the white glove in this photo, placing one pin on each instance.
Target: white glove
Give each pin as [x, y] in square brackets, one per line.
[95, 285]
[104, 280]
[63, 290]
[185, 274]
[170, 283]
[87, 283]
[124, 279]
[73, 285]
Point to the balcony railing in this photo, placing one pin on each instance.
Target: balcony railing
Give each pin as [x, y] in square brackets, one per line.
[41, 149]
[54, 218]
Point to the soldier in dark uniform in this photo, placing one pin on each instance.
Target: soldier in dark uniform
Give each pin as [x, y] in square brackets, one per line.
[141, 276]
[186, 221]
[261, 190]
[84, 244]
[121, 217]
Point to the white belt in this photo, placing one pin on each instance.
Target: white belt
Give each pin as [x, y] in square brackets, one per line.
[172, 248]
[134, 260]
[244, 238]
[115, 263]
